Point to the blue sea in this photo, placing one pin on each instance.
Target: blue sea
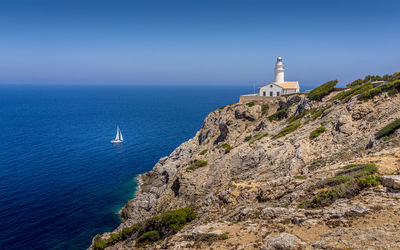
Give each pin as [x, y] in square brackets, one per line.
[61, 180]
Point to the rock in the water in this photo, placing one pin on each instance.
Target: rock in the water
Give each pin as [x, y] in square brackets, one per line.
[391, 181]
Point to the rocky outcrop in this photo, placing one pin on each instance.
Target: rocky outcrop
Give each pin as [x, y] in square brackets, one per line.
[284, 241]
[391, 181]
[252, 191]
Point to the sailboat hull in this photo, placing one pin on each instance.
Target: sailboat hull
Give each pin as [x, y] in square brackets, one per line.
[116, 141]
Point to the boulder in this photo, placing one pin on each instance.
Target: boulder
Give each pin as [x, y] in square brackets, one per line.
[360, 112]
[283, 241]
[391, 181]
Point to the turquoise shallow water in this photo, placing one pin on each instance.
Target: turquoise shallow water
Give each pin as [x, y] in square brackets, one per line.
[62, 181]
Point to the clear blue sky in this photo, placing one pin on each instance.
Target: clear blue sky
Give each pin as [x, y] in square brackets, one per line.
[195, 42]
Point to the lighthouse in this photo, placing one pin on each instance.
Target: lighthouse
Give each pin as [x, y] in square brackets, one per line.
[279, 87]
[279, 71]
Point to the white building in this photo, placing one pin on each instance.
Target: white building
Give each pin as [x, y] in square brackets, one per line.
[279, 86]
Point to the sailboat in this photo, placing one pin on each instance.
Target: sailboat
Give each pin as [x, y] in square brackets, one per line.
[118, 137]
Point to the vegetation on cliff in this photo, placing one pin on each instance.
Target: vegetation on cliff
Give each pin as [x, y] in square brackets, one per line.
[388, 129]
[151, 230]
[196, 165]
[317, 132]
[391, 88]
[279, 115]
[345, 184]
[320, 92]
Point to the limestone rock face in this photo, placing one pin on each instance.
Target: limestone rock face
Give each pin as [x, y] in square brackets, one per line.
[284, 241]
[251, 193]
[391, 181]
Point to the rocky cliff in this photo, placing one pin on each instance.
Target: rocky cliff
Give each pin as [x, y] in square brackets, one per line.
[291, 172]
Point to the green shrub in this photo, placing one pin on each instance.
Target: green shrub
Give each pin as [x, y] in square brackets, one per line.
[224, 236]
[264, 109]
[226, 146]
[323, 198]
[248, 138]
[258, 137]
[369, 181]
[301, 177]
[196, 165]
[203, 152]
[358, 170]
[347, 183]
[391, 86]
[289, 129]
[98, 243]
[148, 238]
[279, 115]
[388, 129]
[250, 104]
[116, 237]
[355, 83]
[346, 95]
[319, 112]
[174, 220]
[334, 181]
[317, 132]
[325, 89]
[298, 116]
[149, 231]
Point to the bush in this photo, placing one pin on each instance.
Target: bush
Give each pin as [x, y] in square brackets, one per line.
[250, 104]
[289, 129]
[248, 138]
[317, 132]
[334, 181]
[325, 89]
[391, 86]
[369, 181]
[116, 237]
[264, 109]
[224, 236]
[258, 137]
[173, 220]
[358, 170]
[347, 183]
[226, 146]
[346, 95]
[203, 152]
[279, 115]
[196, 165]
[318, 113]
[150, 230]
[355, 83]
[148, 238]
[388, 129]
[298, 116]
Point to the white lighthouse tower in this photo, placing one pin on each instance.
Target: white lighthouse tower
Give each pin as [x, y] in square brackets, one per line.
[279, 71]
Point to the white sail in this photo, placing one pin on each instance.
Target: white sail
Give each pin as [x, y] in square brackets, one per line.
[117, 136]
[120, 135]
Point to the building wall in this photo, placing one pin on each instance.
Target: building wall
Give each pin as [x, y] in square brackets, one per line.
[270, 87]
[290, 91]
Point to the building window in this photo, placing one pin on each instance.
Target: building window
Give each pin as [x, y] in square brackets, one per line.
[264, 93]
[277, 93]
[271, 93]
[270, 85]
